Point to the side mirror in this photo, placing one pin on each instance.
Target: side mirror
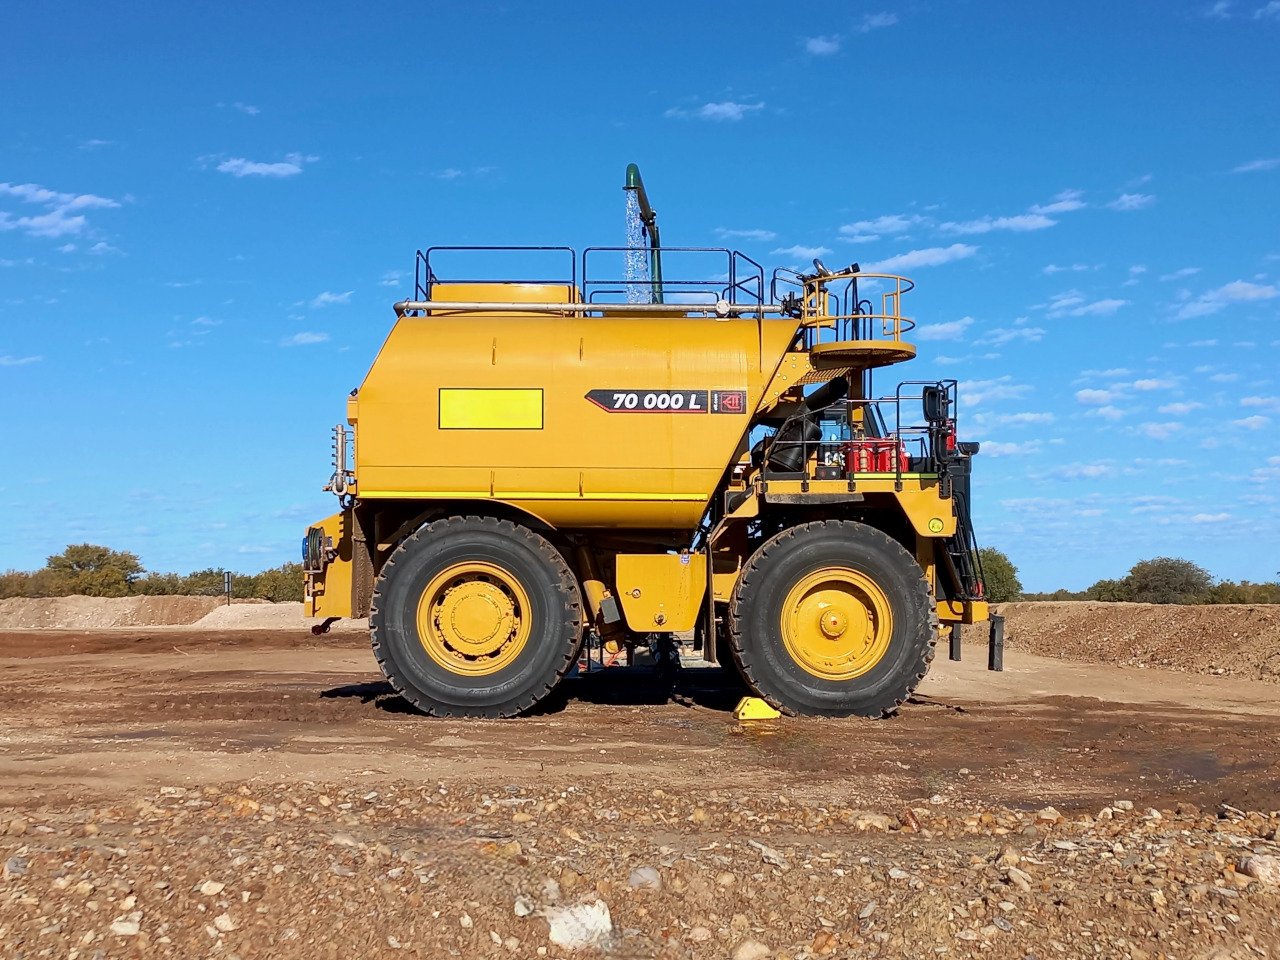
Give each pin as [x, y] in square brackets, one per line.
[937, 407]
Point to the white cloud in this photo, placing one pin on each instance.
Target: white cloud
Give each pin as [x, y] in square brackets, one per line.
[8, 361]
[822, 46]
[1053, 268]
[1257, 166]
[973, 393]
[248, 108]
[1132, 201]
[64, 211]
[1224, 378]
[1025, 418]
[1271, 9]
[391, 278]
[1072, 304]
[729, 110]
[1215, 301]
[1095, 397]
[928, 257]
[453, 173]
[102, 248]
[761, 235]
[327, 298]
[1160, 431]
[1064, 202]
[1181, 408]
[1180, 274]
[1019, 224]
[1256, 422]
[1003, 335]
[1086, 471]
[1109, 412]
[1266, 403]
[290, 166]
[997, 448]
[950, 330]
[876, 21]
[1210, 517]
[305, 338]
[801, 252]
[867, 230]
[1152, 384]
[1221, 10]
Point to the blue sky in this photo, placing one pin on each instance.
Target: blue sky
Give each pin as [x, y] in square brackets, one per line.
[206, 211]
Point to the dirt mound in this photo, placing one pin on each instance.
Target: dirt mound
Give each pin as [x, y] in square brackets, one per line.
[197, 613]
[1240, 640]
[71, 613]
[255, 616]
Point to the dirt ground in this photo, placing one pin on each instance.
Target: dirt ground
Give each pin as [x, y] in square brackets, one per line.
[226, 793]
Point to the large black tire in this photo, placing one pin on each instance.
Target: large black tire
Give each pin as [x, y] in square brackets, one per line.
[757, 605]
[554, 617]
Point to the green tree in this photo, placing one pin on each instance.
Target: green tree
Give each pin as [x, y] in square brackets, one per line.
[1000, 576]
[203, 583]
[91, 570]
[280, 584]
[158, 584]
[1108, 590]
[15, 583]
[1168, 580]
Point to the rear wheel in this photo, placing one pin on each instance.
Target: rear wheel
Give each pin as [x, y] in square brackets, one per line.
[474, 616]
[834, 618]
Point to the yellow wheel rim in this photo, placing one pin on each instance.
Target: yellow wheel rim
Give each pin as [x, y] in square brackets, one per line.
[836, 623]
[474, 618]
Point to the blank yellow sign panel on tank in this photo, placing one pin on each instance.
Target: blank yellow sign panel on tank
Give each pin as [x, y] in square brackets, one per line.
[464, 408]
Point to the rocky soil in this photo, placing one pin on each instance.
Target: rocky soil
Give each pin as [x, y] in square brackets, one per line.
[243, 793]
[315, 869]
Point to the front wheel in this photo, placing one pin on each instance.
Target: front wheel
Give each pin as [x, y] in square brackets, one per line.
[834, 618]
[476, 617]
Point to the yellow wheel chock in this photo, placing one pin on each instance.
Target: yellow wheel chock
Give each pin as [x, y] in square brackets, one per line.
[753, 708]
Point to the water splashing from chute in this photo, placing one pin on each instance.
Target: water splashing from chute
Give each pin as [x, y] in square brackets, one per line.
[639, 282]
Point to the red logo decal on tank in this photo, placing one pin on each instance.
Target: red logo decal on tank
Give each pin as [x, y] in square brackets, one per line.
[728, 401]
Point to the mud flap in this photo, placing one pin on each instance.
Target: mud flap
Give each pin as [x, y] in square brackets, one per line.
[995, 645]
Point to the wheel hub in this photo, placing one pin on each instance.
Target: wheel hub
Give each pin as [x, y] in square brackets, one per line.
[477, 617]
[836, 623]
[472, 618]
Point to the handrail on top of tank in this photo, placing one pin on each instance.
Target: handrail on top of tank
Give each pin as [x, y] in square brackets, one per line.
[817, 301]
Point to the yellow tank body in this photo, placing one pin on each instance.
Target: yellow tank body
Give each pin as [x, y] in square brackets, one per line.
[583, 422]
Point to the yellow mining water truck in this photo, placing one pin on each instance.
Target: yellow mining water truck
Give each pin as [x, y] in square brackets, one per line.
[641, 443]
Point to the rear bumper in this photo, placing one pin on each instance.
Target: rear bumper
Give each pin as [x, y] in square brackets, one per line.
[962, 611]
